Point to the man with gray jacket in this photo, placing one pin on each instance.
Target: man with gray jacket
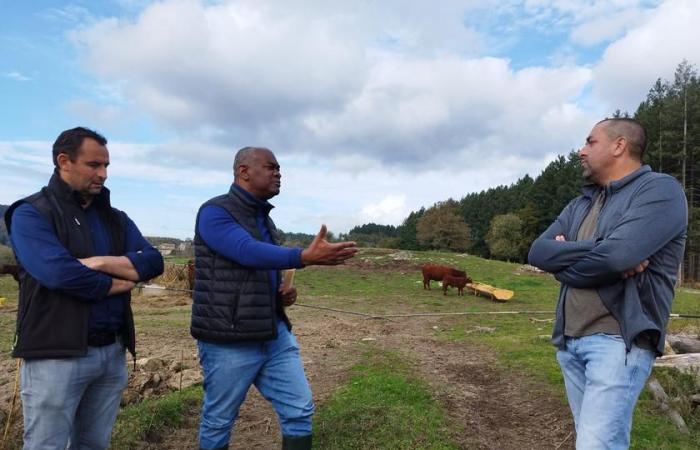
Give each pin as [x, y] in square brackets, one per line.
[616, 250]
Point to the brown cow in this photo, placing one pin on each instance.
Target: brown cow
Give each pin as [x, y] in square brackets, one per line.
[458, 282]
[437, 272]
[10, 269]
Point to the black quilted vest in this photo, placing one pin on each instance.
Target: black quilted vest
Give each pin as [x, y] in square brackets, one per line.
[231, 302]
[50, 323]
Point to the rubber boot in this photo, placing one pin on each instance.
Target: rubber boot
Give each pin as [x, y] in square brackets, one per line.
[296, 442]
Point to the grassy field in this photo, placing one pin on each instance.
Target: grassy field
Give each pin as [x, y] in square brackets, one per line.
[384, 402]
[521, 344]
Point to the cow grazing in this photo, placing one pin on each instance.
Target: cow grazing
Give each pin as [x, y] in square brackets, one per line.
[437, 272]
[10, 269]
[458, 282]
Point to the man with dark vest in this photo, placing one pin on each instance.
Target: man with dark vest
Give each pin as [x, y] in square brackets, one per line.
[238, 318]
[78, 260]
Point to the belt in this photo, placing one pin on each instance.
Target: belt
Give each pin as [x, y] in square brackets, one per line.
[102, 338]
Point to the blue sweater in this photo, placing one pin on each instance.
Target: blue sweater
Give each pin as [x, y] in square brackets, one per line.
[42, 255]
[224, 235]
[645, 216]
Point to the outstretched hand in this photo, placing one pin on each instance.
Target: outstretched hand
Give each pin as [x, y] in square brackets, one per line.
[322, 252]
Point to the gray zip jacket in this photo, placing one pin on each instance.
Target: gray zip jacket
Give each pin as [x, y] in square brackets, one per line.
[644, 216]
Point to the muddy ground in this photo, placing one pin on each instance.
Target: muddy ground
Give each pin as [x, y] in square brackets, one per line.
[492, 409]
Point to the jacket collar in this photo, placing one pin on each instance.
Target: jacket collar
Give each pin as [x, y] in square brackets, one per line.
[250, 200]
[591, 189]
[63, 191]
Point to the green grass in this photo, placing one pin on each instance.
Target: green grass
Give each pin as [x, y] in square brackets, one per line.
[150, 419]
[520, 341]
[177, 259]
[8, 290]
[383, 405]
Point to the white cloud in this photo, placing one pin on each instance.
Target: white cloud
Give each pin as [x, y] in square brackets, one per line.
[390, 210]
[652, 50]
[357, 82]
[17, 76]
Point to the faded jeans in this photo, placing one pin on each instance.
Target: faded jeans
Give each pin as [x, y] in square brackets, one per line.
[276, 370]
[73, 399]
[603, 383]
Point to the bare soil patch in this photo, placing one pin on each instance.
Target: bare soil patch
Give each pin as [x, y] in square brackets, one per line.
[487, 408]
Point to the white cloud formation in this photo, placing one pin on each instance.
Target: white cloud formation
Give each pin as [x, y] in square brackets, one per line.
[652, 50]
[390, 210]
[17, 76]
[371, 113]
[356, 82]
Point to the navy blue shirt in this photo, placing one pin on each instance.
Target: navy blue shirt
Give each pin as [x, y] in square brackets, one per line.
[44, 257]
[225, 236]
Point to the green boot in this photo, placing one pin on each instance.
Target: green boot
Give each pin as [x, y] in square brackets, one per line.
[296, 442]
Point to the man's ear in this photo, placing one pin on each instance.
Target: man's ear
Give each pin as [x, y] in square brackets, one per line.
[63, 161]
[620, 146]
[243, 172]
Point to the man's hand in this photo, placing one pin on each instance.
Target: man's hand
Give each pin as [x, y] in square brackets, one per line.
[120, 286]
[322, 252]
[639, 268]
[288, 295]
[560, 237]
[93, 262]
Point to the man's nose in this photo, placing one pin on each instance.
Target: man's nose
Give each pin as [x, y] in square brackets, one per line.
[102, 172]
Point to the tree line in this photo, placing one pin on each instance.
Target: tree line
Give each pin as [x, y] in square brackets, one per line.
[502, 222]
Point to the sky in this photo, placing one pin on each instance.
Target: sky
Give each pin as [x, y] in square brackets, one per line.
[373, 108]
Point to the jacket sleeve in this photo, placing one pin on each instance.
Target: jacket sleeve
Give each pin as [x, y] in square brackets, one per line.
[553, 256]
[225, 236]
[42, 255]
[657, 214]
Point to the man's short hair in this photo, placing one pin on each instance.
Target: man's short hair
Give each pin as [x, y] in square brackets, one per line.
[630, 129]
[69, 142]
[243, 156]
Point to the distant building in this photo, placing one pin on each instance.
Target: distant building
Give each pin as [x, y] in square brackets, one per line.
[166, 248]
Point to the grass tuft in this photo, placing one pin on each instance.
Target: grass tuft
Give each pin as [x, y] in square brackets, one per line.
[382, 406]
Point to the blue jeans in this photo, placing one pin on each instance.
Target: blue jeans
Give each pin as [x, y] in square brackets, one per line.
[276, 370]
[72, 401]
[603, 383]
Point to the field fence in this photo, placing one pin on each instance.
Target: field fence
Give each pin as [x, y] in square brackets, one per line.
[174, 276]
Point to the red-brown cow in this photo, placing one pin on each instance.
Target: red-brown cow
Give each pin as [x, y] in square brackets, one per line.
[10, 269]
[437, 272]
[458, 282]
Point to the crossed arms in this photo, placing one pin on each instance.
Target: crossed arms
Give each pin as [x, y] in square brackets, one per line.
[46, 259]
[656, 215]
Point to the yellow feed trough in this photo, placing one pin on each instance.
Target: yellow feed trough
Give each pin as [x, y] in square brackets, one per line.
[494, 293]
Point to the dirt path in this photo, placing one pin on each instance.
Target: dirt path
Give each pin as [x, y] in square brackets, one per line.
[495, 410]
[490, 408]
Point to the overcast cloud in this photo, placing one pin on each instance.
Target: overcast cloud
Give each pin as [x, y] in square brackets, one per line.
[373, 108]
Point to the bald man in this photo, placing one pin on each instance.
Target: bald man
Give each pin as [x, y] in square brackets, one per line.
[616, 250]
[238, 312]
